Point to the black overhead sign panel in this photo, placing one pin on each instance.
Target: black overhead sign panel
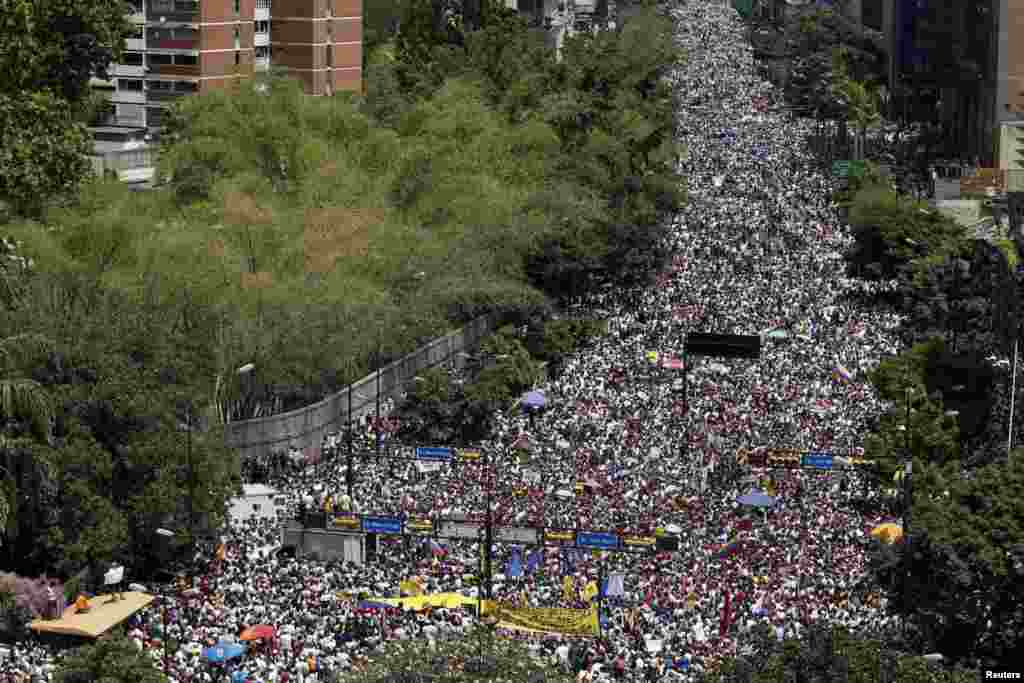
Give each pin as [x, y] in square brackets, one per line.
[723, 345]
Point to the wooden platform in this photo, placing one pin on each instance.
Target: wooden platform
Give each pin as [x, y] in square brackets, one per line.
[102, 616]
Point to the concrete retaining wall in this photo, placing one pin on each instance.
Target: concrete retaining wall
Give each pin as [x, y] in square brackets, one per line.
[306, 427]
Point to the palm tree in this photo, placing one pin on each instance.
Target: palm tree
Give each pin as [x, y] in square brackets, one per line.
[21, 399]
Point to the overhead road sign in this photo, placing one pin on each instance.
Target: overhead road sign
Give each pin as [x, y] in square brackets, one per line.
[382, 525]
[473, 530]
[468, 453]
[419, 527]
[789, 458]
[456, 529]
[818, 461]
[723, 345]
[517, 534]
[601, 541]
[434, 453]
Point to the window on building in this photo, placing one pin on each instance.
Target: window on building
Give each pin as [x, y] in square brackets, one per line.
[132, 59]
[238, 58]
[256, 507]
[262, 51]
[157, 6]
[237, 7]
[135, 32]
[159, 85]
[262, 26]
[159, 59]
[129, 84]
[186, 60]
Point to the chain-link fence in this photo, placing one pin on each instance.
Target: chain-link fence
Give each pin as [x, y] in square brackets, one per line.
[307, 427]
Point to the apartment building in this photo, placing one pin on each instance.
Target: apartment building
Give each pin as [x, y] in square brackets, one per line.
[181, 47]
[319, 42]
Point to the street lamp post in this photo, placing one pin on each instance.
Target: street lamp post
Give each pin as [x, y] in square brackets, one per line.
[348, 473]
[191, 484]
[163, 599]
[1013, 395]
[907, 502]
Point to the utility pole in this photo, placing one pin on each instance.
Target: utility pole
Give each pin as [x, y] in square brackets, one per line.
[376, 427]
[1013, 396]
[348, 473]
[907, 502]
[191, 483]
[488, 531]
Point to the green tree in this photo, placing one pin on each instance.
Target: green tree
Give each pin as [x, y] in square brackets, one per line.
[828, 653]
[26, 409]
[962, 588]
[51, 50]
[458, 660]
[108, 660]
[42, 150]
[858, 100]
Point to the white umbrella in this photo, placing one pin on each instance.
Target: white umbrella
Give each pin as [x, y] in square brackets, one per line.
[137, 587]
[673, 529]
[564, 493]
[562, 443]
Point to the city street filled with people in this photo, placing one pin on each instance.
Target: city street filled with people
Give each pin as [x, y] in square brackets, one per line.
[757, 251]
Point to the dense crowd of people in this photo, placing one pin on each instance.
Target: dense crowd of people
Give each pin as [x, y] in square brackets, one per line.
[756, 251]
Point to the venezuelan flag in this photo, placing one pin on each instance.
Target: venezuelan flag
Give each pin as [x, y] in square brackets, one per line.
[728, 550]
[841, 373]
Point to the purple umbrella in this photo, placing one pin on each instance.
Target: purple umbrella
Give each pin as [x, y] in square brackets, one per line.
[533, 400]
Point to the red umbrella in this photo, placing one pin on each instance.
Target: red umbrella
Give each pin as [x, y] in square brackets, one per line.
[258, 632]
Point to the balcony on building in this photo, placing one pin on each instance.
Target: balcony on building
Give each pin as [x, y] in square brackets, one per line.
[168, 38]
[172, 64]
[136, 39]
[261, 59]
[172, 12]
[168, 91]
[262, 10]
[136, 12]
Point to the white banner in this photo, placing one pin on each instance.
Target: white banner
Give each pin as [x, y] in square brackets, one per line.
[469, 530]
[517, 534]
[115, 575]
[429, 465]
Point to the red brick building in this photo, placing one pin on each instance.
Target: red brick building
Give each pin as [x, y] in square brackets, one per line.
[187, 46]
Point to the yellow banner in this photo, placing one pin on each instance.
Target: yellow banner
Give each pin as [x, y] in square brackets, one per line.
[422, 602]
[577, 622]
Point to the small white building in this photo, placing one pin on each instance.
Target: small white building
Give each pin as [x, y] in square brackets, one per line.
[257, 502]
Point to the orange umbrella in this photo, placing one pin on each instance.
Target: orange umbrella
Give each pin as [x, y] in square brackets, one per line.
[258, 632]
[888, 533]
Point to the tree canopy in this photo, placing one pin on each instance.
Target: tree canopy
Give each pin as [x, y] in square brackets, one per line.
[52, 48]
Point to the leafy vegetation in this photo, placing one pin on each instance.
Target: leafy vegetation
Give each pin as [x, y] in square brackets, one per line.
[110, 660]
[313, 238]
[458, 660]
[827, 653]
[443, 409]
[51, 50]
[955, 578]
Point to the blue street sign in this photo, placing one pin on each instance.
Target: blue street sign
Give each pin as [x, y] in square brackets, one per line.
[382, 525]
[435, 453]
[593, 539]
[821, 461]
